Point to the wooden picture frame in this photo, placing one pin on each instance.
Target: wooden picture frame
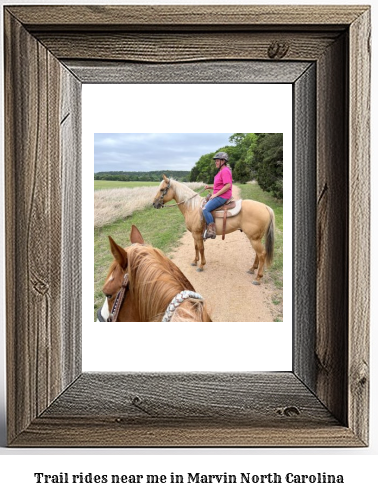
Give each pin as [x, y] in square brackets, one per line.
[324, 52]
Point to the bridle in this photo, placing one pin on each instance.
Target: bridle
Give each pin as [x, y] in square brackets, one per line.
[120, 297]
[164, 192]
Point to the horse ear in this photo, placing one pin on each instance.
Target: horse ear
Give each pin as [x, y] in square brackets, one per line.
[165, 178]
[135, 236]
[118, 252]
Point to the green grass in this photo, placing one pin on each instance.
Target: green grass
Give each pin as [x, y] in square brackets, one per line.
[122, 184]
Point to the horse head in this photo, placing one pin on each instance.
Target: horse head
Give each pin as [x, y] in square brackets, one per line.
[117, 279]
[143, 284]
[165, 193]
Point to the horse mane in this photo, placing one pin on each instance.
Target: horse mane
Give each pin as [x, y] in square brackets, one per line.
[154, 281]
[185, 193]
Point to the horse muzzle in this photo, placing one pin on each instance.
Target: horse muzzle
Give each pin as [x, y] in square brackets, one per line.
[157, 204]
[103, 313]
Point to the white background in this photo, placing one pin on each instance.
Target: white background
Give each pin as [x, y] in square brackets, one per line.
[358, 465]
[169, 346]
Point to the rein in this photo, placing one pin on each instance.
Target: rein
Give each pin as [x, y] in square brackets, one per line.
[181, 202]
[177, 300]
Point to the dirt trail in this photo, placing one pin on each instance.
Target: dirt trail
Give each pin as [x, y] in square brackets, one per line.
[225, 283]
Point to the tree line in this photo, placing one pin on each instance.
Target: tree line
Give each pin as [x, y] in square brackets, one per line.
[153, 176]
[251, 157]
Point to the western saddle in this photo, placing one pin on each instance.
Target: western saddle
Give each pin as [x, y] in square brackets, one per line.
[229, 209]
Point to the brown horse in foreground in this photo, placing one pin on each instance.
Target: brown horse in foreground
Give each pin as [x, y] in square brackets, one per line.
[141, 284]
[255, 219]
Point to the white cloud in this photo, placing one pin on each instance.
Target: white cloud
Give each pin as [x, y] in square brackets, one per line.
[144, 152]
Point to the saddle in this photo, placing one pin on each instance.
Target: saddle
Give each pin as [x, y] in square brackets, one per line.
[229, 209]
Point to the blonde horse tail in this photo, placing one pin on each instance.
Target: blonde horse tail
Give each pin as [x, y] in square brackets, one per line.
[269, 238]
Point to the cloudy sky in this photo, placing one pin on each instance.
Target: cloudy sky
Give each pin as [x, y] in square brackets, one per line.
[146, 152]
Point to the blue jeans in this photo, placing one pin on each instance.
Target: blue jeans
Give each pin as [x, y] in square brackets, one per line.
[210, 206]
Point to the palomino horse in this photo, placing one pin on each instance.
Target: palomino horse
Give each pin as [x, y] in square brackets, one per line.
[255, 219]
[145, 285]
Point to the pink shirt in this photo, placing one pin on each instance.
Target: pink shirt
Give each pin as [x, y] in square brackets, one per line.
[220, 180]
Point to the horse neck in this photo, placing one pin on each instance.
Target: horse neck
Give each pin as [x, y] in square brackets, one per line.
[183, 195]
[129, 312]
[153, 283]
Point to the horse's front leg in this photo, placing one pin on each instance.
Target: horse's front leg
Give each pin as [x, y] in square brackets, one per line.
[200, 247]
[196, 254]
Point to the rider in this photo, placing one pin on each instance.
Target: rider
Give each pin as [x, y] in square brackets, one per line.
[222, 191]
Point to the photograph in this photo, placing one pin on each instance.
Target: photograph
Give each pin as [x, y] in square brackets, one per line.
[222, 187]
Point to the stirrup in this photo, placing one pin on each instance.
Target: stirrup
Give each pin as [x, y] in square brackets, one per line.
[206, 235]
[209, 234]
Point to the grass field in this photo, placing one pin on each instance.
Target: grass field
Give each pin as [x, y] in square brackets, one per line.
[163, 228]
[121, 184]
[112, 205]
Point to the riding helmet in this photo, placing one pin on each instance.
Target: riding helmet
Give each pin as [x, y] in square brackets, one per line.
[221, 156]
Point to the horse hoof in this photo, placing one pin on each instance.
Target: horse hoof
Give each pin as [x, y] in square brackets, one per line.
[199, 269]
[193, 264]
[250, 272]
[256, 282]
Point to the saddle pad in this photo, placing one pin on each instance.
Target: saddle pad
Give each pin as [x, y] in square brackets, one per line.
[230, 212]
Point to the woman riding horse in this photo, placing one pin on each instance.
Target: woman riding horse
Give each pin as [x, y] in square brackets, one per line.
[222, 191]
[255, 219]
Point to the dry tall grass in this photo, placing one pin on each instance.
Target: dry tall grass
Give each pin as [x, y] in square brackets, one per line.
[111, 205]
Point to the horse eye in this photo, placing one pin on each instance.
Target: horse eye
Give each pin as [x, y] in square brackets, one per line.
[108, 296]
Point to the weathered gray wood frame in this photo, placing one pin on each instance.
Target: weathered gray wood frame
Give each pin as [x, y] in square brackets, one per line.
[324, 52]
